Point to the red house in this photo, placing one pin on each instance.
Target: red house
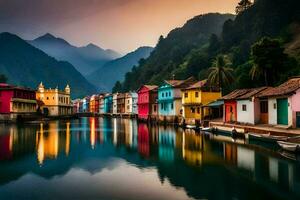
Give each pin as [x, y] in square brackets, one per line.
[230, 105]
[147, 101]
[16, 100]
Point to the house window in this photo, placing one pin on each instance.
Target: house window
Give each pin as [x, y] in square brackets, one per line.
[163, 94]
[264, 107]
[169, 94]
[186, 95]
[192, 110]
[162, 106]
[244, 107]
[172, 106]
[274, 106]
[47, 98]
[197, 94]
[154, 108]
[198, 110]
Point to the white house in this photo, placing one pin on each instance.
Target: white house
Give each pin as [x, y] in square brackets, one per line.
[115, 103]
[131, 103]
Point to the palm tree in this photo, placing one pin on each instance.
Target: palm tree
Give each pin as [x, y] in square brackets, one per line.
[258, 71]
[220, 72]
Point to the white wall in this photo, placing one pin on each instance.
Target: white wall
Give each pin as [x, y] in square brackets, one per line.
[272, 111]
[248, 115]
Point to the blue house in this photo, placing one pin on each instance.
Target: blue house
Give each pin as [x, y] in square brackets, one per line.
[169, 97]
[108, 103]
[86, 104]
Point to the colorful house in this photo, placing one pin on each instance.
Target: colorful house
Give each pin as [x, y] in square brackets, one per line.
[55, 102]
[120, 103]
[101, 103]
[115, 103]
[230, 104]
[284, 103]
[147, 101]
[94, 104]
[131, 99]
[16, 100]
[250, 109]
[194, 99]
[108, 103]
[169, 97]
[86, 104]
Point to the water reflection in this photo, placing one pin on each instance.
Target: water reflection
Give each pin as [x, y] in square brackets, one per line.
[182, 158]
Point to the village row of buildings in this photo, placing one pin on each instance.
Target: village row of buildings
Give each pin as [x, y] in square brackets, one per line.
[195, 101]
[18, 101]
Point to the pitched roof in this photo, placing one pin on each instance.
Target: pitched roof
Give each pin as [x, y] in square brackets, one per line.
[181, 83]
[254, 92]
[235, 94]
[287, 88]
[198, 84]
[151, 87]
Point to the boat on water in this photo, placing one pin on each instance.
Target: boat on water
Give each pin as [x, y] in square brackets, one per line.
[289, 146]
[267, 137]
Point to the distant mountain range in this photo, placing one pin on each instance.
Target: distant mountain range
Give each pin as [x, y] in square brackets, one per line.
[105, 77]
[26, 65]
[85, 59]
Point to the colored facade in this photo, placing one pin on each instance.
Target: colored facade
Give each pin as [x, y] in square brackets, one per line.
[147, 101]
[108, 104]
[101, 103]
[284, 103]
[131, 99]
[17, 100]
[194, 99]
[115, 103]
[250, 109]
[54, 101]
[120, 103]
[170, 98]
[94, 104]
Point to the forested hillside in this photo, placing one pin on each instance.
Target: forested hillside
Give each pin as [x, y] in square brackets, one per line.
[193, 49]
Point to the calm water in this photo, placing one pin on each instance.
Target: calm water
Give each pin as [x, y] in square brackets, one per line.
[96, 158]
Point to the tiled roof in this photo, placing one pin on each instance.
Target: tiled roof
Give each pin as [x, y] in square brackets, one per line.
[198, 84]
[287, 88]
[181, 83]
[254, 92]
[235, 94]
[151, 87]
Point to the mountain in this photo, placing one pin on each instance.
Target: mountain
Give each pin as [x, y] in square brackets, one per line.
[171, 51]
[26, 65]
[115, 70]
[85, 59]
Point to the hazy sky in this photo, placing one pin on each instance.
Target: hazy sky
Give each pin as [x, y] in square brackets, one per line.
[122, 25]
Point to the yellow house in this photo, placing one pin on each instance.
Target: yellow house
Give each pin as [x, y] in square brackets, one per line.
[54, 102]
[195, 97]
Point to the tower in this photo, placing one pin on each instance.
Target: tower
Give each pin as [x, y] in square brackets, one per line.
[41, 88]
[68, 89]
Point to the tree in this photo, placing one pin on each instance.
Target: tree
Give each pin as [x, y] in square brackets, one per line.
[117, 87]
[242, 6]
[220, 73]
[3, 78]
[268, 60]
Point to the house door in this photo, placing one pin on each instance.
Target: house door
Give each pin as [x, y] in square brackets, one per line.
[282, 111]
[264, 112]
[298, 119]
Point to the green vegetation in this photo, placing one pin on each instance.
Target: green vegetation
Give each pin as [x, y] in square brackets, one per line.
[260, 43]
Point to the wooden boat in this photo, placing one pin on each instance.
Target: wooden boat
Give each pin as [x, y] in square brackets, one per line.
[267, 137]
[289, 146]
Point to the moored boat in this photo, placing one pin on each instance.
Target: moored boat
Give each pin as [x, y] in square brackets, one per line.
[267, 137]
[289, 146]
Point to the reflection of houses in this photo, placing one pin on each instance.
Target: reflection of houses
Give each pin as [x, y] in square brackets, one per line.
[167, 142]
[5, 146]
[192, 147]
[143, 140]
[55, 102]
[147, 101]
[16, 100]
[195, 97]
[50, 142]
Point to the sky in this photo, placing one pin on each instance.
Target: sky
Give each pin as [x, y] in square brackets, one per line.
[121, 25]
